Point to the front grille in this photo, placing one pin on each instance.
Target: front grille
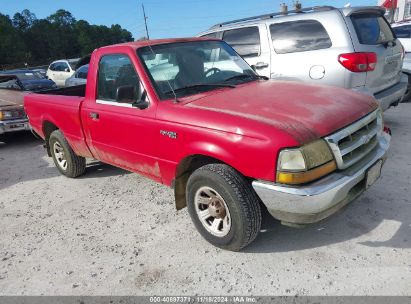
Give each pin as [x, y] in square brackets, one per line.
[352, 143]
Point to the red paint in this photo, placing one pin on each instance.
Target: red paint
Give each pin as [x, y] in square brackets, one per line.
[245, 127]
[389, 4]
[358, 62]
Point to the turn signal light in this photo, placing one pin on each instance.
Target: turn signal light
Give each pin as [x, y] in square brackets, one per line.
[294, 178]
[358, 62]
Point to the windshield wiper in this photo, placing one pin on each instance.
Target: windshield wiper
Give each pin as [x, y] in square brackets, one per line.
[245, 76]
[199, 86]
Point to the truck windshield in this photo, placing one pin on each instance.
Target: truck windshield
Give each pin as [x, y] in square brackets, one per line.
[186, 68]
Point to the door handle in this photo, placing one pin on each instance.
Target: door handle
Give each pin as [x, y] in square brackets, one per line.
[261, 65]
[94, 116]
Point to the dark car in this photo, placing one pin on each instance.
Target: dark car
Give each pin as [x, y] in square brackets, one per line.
[28, 80]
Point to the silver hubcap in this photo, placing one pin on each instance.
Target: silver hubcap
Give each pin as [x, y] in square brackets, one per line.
[59, 155]
[212, 211]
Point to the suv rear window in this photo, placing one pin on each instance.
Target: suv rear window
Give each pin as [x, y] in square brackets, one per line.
[372, 29]
[246, 41]
[299, 36]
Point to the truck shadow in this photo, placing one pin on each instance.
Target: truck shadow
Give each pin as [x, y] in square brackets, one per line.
[23, 159]
[98, 169]
[357, 220]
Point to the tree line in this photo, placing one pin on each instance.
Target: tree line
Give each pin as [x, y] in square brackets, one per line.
[26, 39]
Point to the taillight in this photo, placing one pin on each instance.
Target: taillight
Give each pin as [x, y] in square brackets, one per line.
[358, 62]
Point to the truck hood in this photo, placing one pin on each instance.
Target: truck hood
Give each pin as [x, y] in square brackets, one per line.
[304, 111]
[11, 98]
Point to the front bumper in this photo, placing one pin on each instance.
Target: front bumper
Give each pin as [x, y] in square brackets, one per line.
[320, 199]
[14, 125]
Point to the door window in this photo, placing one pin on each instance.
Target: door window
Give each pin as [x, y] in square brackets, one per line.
[299, 36]
[246, 41]
[117, 78]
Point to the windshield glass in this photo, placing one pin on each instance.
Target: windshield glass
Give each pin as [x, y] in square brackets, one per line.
[192, 67]
[29, 75]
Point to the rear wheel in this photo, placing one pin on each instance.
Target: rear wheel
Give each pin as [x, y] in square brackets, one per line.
[66, 161]
[223, 206]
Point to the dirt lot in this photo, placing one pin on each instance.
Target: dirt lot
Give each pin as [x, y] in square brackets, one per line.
[111, 232]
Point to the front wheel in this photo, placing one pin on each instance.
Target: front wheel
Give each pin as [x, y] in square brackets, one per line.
[66, 161]
[223, 206]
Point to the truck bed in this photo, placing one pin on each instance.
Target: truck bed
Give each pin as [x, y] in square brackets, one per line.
[79, 91]
[58, 109]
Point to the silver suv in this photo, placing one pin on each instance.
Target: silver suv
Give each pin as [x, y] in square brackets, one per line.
[352, 47]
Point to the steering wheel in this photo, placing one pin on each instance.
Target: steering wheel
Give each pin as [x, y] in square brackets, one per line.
[212, 71]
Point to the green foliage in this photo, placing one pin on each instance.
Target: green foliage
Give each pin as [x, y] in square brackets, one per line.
[24, 38]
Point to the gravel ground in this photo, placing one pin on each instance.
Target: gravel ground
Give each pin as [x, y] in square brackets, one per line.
[112, 232]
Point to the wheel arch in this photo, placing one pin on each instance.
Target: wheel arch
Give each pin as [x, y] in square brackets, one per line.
[184, 169]
[48, 128]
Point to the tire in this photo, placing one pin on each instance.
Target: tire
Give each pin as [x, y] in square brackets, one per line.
[407, 95]
[61, 151]
[239, 222]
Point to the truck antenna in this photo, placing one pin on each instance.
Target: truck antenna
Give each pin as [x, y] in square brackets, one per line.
[145, 21]
[152, 52]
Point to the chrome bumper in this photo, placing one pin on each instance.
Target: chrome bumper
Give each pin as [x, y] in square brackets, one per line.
[14, 125]
[318, 200]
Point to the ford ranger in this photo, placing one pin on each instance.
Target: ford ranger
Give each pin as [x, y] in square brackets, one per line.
[193, 115]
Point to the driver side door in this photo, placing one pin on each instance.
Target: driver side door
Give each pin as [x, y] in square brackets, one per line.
[117, 131]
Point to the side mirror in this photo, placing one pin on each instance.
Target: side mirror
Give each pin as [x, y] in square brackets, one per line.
[67, 70]
[141, 104]
[127, 94]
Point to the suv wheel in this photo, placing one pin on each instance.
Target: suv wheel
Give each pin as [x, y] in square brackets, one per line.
[223, 206]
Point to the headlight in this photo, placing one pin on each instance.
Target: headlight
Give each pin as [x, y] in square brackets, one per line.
[6, 115]
[305, 164]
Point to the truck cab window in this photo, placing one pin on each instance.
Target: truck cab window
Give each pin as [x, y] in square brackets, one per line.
[118, 80]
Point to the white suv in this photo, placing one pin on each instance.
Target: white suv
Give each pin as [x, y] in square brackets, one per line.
[403, 32]
[60, 70]
[351, 47]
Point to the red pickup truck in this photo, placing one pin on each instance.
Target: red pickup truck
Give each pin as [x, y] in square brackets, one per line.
[193, 115]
